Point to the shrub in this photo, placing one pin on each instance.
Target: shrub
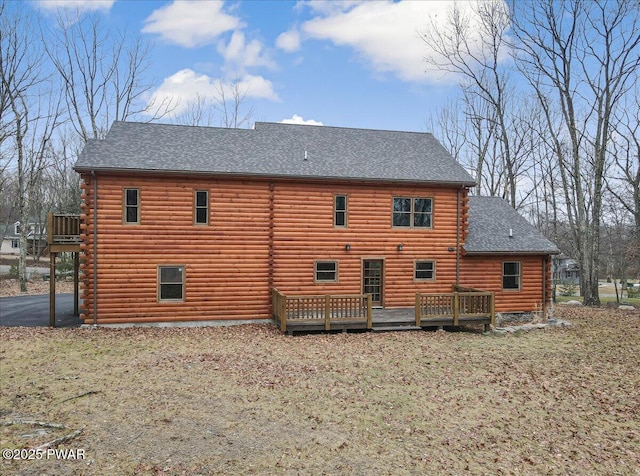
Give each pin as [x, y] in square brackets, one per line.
[568, 289]
[13, 270]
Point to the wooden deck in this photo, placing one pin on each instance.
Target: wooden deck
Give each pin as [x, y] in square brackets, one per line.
[354, 312]
[63, 236]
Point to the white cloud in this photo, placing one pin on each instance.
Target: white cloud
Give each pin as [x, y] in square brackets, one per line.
[239, 55]
[295, 119]
[384, 33]
[330, 7]
[186, 86]
[289, 41]
[80, 5]
[191, 23]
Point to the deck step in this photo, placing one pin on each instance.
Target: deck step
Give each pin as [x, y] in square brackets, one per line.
[396, 328]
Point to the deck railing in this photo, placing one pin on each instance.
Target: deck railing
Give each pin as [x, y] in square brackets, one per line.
[461, 303]
[63, 229]
[327, 309]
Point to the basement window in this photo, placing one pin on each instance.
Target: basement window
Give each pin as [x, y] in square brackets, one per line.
[201, 207]
[170, 283]
[326, 271]
[131, 209]
[511, 275]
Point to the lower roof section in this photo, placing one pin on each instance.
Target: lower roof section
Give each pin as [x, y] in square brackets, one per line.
[496, 228]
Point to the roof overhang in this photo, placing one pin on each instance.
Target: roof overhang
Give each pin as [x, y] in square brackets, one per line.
[510, 253]
[243, 175]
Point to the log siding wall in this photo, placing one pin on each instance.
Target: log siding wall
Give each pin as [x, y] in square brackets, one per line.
[226, 263]
[485, 272]
[304, 232]
[265, 234]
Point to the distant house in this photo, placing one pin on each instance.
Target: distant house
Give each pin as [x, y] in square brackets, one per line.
[201, 224]
[36, 239]
[566, 270]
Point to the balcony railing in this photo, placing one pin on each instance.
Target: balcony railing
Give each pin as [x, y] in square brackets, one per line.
[63, 229]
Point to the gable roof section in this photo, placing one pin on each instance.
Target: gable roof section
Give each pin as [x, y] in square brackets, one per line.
[490, 219]
[274, 150]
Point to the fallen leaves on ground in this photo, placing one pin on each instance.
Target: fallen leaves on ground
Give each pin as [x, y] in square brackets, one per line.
[11, 287]
[249, 400]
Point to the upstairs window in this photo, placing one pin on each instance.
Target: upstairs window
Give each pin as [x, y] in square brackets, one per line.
[412, 212]
[511, 275]
[326, 271]
[340, 211]
[201, 207]
[131, 209]
[170, 283]
[425, 270]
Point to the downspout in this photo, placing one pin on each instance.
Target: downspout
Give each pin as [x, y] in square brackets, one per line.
[458, 238]
[544, 286]
[270, 244]
[95, 247]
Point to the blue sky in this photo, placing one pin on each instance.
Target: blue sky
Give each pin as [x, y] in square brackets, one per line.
[340, 63]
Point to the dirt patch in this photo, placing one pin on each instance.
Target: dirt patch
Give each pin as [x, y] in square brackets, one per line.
[249, 400]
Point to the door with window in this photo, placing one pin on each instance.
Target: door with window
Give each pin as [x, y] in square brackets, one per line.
[372, 280]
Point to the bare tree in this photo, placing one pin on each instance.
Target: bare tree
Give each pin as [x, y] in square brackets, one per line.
[473, 49]
[624, 179]
[230, 102]
[225, 107]
[102, 74]
[28, 123]
[586, 54]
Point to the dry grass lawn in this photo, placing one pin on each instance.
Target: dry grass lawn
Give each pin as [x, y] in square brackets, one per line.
[248, 400]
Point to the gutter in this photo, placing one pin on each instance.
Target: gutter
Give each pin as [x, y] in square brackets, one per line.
[267, 176]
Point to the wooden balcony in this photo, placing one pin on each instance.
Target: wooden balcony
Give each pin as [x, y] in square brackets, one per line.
[63, 233]
[63, 236]
[352, 312]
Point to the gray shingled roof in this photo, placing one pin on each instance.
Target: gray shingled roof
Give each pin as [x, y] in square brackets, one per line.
[491, 218]
[274, 150]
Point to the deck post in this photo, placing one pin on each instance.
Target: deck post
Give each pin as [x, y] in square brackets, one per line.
[418, 310]
[493, 309]
[52, 289]
[456, 308]
[369, 313]
[76, 282]
[283, 312]
[327, 312]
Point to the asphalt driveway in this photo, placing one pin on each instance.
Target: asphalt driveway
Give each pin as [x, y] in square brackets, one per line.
[33, 311]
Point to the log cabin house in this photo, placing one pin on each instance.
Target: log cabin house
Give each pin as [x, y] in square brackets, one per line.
[184, 224]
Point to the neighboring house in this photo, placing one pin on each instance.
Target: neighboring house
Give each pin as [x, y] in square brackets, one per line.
[36, 239]
[566, 270]
[199, 223]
